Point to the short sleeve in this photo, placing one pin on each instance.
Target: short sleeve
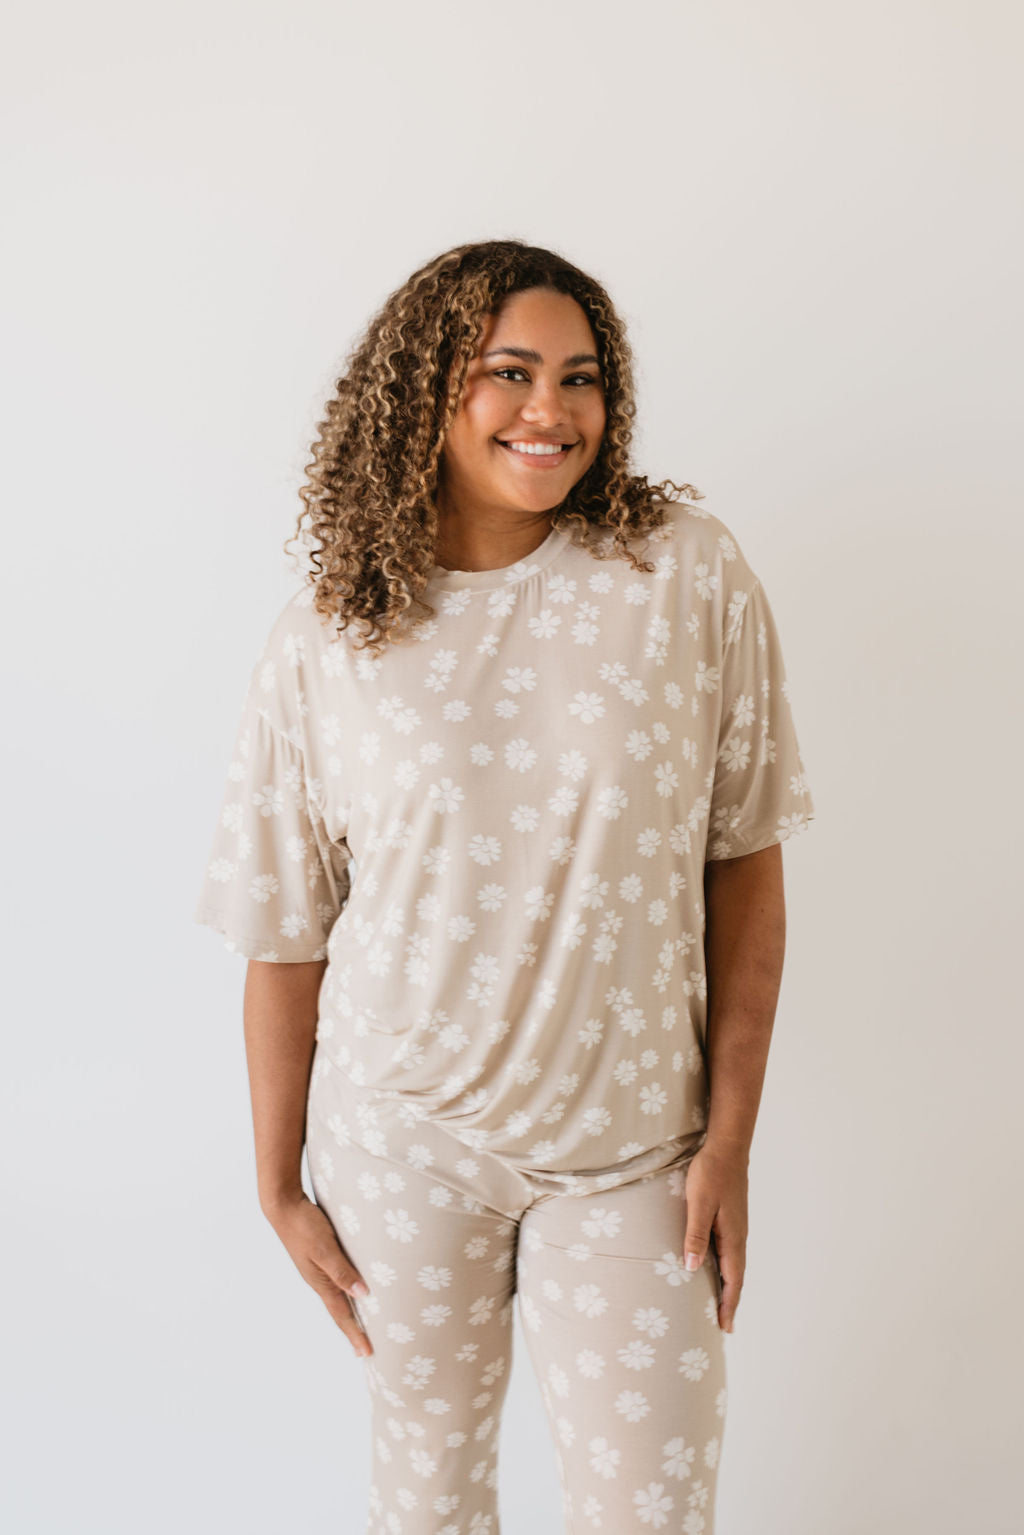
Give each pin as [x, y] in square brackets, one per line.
[274, 882]
[760, 793]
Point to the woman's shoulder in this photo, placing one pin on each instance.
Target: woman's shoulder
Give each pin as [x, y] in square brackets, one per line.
[297, 632]
[701, 540]
[299, 650]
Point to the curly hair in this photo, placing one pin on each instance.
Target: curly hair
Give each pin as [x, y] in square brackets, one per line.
[368, 499]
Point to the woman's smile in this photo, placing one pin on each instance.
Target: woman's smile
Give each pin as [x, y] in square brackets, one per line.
[533, 392]
[537, 455]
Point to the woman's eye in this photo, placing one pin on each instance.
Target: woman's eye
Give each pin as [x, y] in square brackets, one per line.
[583, 378]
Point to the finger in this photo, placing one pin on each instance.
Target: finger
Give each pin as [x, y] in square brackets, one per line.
[727, 1305]
[695, 1242]
[731, 1266]
[343, 1314]
[333, 1277]
[341, 1273]
[329, 1258]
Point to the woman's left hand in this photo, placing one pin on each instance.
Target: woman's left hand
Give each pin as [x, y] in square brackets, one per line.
[716, 1201]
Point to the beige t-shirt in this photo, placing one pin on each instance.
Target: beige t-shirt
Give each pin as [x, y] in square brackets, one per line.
[495, 832]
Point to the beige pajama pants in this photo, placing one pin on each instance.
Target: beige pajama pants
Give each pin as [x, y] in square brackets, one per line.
[624, 1341]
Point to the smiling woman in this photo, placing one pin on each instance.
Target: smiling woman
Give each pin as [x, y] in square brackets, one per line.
[500, 340]
[484, 836]
[522, 436]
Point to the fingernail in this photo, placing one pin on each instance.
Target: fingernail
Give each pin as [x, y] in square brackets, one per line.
[692, 1261]
[359, 1288]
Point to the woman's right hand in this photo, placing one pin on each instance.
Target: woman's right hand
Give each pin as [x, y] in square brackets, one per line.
[320, 1259]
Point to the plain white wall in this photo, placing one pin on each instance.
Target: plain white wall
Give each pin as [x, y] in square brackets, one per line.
[809, 216]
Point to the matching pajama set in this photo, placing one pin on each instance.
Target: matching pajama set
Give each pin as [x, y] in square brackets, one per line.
[495, 833]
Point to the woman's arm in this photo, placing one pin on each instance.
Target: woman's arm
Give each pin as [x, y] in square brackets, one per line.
[744, 950]
[280, 1014]
[745, 936]
[280, 1010]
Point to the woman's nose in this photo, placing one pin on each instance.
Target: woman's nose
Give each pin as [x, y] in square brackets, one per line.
[545, 403]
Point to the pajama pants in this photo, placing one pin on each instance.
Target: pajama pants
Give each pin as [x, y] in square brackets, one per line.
[624, 1341]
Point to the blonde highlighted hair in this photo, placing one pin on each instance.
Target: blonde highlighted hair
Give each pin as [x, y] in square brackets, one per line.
[369, 518]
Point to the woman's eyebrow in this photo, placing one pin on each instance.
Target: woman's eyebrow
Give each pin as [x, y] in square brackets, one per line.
[526, 355]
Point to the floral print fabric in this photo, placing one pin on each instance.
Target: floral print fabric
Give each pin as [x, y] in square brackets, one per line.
[496, 831]
[623, 1339]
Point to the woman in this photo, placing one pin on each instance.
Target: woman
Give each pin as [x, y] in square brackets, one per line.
[524, 722]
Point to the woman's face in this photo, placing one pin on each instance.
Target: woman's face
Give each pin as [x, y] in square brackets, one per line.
[535, 379]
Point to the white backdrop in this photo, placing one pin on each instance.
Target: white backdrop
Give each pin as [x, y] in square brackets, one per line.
[809, 216]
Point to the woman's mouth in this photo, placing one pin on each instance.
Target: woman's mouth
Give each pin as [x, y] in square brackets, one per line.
[537, 455]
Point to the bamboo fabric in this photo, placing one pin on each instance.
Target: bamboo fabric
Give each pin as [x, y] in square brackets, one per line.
[496, 831]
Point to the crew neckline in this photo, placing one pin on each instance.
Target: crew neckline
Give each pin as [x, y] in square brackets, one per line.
[503, 575]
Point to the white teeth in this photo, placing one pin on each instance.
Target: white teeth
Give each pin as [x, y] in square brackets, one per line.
[527, 447]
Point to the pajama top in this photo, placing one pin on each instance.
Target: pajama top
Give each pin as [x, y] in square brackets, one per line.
[495, 833]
